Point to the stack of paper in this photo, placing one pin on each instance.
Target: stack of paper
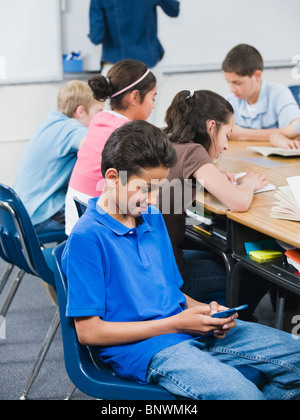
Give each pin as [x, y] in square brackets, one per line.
[288, 205]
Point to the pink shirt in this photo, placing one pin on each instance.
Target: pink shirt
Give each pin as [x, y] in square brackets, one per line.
[86, 176]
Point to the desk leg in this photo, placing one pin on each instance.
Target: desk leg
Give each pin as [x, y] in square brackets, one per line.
[233, 285]
[279, 319]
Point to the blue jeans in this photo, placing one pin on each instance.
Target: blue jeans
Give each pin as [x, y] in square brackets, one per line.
[205, 369]
[55, 223]
[205, 276]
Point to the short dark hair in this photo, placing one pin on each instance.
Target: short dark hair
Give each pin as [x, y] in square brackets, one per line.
[243, 60]
[137, 145]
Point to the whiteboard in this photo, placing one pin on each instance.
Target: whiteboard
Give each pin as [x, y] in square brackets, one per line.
[30, 41]
[206, 31]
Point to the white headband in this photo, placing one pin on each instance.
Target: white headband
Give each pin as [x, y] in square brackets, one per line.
[133, 84]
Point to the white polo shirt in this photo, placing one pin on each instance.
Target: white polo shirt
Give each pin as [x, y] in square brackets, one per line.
[276, 108]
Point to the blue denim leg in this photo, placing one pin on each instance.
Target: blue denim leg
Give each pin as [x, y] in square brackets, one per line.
[275, 353]
[207, 369]
[205, 276]
[188, 371]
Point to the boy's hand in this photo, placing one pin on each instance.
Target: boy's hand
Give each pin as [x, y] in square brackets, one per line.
[198, 321]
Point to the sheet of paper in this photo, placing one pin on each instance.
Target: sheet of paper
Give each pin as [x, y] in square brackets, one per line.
[269, 187]
[294, 183]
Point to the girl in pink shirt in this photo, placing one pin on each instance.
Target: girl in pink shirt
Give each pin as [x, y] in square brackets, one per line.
[131, 87]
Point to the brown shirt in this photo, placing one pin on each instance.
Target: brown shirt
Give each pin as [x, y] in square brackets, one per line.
[175, 200]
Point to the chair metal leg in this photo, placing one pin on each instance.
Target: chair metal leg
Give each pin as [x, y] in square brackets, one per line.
[6, 276]
[42, 354]
[11, 294]
[71, 393]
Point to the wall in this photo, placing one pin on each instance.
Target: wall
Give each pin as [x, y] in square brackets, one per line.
[23, 107]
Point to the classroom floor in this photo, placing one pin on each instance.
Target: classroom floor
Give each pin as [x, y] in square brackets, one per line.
[26, 324]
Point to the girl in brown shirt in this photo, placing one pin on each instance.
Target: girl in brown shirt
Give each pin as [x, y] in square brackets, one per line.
[199, 125]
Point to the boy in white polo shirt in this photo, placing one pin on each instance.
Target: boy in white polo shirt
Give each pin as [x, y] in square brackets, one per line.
[260, 107]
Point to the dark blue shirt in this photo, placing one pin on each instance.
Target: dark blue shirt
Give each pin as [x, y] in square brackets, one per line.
[128, 29]
[124, 275]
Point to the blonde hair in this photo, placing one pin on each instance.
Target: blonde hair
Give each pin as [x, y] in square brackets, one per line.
[72, 95]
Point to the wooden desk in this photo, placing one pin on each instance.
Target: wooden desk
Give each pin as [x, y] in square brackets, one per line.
[233, 162]
[260, 220]
[256, 224]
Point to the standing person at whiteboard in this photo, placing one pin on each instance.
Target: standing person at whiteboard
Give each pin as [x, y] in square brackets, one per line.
[128, 29]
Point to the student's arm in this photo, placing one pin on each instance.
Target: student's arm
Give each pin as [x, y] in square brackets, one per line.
[236, 198]
[244, 134]
[170, 7]
[82, 141]
[93, 331]
[286, 138]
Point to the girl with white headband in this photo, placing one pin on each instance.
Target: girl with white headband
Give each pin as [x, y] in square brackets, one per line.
[131, 88]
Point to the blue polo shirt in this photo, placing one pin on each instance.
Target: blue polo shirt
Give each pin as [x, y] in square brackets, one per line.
[276, 108]
[124, 275]
[46, 166]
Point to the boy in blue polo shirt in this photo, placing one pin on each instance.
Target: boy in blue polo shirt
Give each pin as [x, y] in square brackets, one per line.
[124, 290]
[50, 156]
[260, 107]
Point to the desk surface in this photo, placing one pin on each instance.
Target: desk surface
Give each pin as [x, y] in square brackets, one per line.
[258, 217]
[234, 162]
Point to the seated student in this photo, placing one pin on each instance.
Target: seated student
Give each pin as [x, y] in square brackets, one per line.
[49, 158]
[131, 87]
[199, 125]
[260, 107]
[123, 291]
[288, 138]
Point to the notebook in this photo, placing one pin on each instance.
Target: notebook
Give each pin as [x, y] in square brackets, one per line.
[269, 187]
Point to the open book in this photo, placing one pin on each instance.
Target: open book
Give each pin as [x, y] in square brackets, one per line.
[288, 205]
[268, 151]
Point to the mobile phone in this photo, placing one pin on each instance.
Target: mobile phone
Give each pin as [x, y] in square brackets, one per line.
[229, 312]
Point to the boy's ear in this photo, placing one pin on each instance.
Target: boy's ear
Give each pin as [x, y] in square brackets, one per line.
[79, 113]
[258, 74]
[112, 177]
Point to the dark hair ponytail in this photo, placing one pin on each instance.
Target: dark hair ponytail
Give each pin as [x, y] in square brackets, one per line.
[121, 75]
[189, 112]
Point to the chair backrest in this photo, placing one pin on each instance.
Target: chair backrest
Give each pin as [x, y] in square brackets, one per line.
[296, 92]
[94, 380]
[80, 206]
[19, 244]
